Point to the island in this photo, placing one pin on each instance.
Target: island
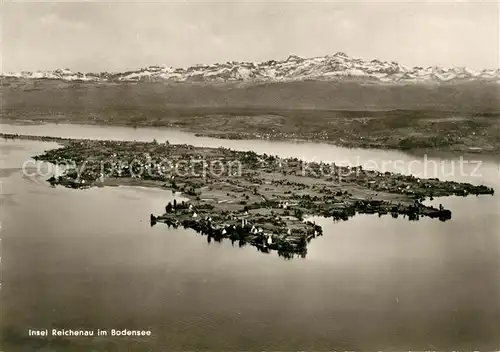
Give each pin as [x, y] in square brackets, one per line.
[258, 199]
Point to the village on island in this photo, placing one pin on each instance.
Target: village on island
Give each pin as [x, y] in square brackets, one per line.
[266, 201]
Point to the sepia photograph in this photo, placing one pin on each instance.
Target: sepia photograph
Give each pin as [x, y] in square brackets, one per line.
[206, 175]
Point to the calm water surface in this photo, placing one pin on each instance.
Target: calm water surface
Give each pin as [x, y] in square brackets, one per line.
[89, 259]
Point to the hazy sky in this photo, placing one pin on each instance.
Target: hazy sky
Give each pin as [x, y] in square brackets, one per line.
[113, 35]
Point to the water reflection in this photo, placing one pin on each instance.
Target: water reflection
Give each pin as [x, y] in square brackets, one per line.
[89, 259]
[241, 243]
[218, 237]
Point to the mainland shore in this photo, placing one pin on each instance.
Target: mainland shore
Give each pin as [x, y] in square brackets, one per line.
[410, 131]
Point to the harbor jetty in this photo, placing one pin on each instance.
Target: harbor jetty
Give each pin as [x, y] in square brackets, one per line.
[261, 200]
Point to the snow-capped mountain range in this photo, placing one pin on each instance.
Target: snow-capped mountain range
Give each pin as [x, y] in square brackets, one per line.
[331, 67]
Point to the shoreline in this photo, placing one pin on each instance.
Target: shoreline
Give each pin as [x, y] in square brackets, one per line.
[223, 135]
[262, 205]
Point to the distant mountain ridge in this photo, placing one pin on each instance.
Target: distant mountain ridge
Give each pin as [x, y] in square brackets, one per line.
[337, 67]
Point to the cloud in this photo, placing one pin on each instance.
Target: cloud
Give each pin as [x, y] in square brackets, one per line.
[118, 35]
[54, 21]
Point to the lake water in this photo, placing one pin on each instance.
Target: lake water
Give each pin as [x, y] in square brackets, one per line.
[88, 259]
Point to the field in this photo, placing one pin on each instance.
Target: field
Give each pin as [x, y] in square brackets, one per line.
[461, 117]
[259, 199]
